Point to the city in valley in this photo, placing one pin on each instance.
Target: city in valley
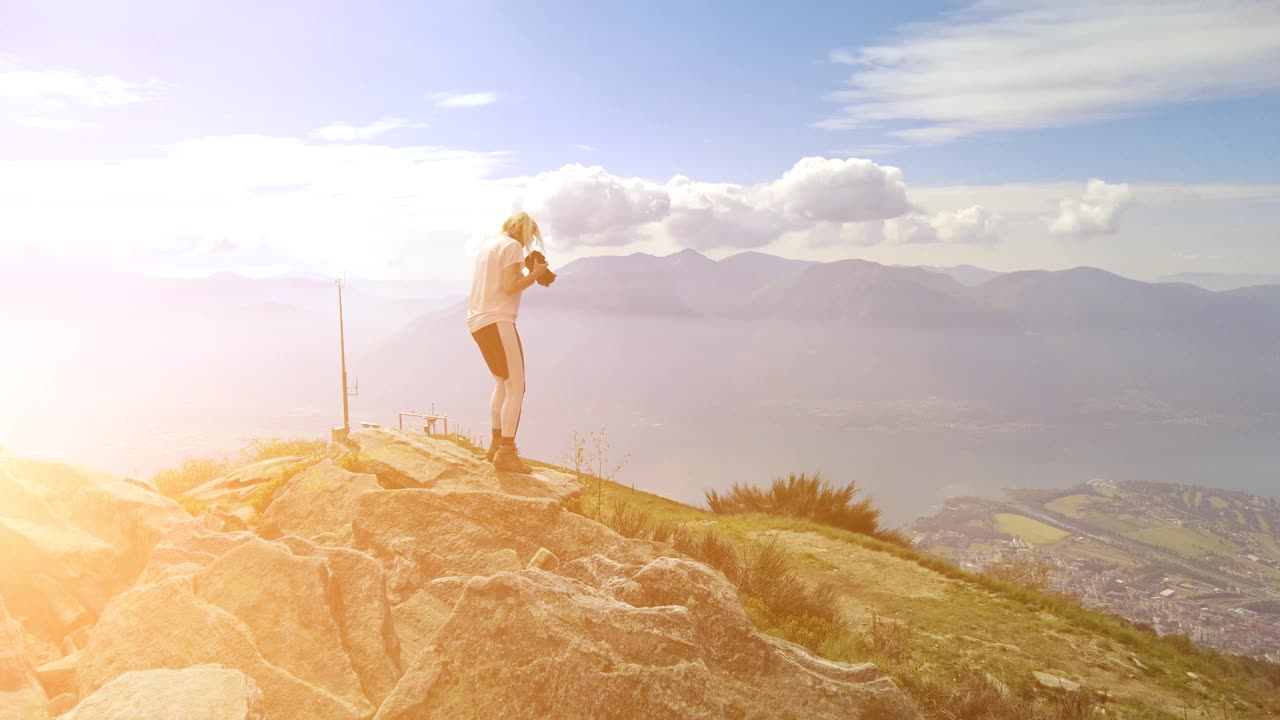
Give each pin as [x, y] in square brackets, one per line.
[1184, 560]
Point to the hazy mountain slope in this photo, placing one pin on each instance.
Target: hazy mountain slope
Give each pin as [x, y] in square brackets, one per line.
[920, 619]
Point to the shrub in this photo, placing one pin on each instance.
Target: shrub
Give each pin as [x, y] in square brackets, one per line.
[1026, 570]
[190, 474]
[806, 496]
[259, 449]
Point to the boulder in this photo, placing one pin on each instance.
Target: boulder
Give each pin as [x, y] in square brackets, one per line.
[59, 676]
[419, 535]
[286, 602]
[363, 615]
[317, 503]
[417, 620]
[544, 559]
[234, 492]
[21, 697]
[165, 625]
[534, 644]
[188, 548]
[202, 692]
[73, 539]
[1055, 682]
[409, 460]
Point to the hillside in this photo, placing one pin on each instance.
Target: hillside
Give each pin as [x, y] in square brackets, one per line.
[964, 645]
[400, 577]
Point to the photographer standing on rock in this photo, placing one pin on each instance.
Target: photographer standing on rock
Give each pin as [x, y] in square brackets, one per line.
[494, 302]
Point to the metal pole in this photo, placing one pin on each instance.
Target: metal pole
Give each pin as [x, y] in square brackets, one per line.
[342, 347]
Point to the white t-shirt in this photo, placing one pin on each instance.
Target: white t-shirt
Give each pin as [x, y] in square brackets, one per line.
[488, 303]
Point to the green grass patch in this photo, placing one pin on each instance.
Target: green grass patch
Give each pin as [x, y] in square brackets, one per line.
[1031, 530]
[1071, 506]
[1184, 541]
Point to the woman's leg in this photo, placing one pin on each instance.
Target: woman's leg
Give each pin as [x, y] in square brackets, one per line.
[513, 399]
[496, 401]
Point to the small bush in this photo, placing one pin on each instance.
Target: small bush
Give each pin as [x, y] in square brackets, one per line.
[1026, 570]
[260, 449]
[806, 496]
[263, 496]
[194, 507]
[190, 474]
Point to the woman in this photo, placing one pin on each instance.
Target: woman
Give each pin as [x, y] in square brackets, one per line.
[491, 317]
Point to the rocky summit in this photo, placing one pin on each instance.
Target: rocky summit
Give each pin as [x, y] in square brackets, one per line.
[399, 578]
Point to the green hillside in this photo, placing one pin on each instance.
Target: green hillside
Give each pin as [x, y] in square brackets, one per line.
[965, 645]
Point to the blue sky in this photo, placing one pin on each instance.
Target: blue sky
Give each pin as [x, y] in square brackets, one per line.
[1174, 108]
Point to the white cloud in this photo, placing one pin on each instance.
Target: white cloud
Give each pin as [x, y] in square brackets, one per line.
[56, 99]
[584, 147]
[852, 190]
[342, 132]
[588, 206]
[1009, 64]
[974, 225]
[1094, 213]
[464, 100]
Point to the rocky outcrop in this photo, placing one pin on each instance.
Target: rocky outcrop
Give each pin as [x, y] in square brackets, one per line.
[166, 625]
[458, 600]
[317, 504]
[205, 692]
[233, 493]
[21, 697]
[73, 538]
[420, 535]
[534, 644]
[408, 460]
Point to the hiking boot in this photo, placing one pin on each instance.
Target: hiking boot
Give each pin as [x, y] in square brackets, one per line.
[493, 449]
[506, 460]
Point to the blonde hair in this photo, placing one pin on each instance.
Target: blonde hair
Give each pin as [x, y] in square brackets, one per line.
[522, 227]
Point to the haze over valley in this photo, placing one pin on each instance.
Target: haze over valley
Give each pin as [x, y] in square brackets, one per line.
[912, 383]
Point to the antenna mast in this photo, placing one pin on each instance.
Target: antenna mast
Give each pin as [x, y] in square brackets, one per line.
[340, 434]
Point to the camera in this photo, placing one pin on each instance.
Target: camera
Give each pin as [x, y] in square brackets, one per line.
[537, 257]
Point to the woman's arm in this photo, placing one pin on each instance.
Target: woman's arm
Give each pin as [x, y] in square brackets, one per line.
[514, 281]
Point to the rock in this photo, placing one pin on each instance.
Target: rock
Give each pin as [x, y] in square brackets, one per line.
[73, 539]
[417, 620]
[203, 692]
[21, 696]
[419, 535]
[59, 676]
[544, 559]
[534, 644]
[165, 625]
[284, 601]
[186, 550]
[363, 615]
[62, 704]
[234, 492]
[318, 502]
[405, 460]
[1055, 682]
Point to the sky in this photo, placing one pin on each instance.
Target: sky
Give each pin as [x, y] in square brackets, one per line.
[383, 140]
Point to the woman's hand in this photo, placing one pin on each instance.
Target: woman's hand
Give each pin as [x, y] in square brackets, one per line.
[538, 270]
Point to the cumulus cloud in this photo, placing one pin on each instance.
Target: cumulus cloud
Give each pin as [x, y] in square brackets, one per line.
[1009, 64]
[56, 99]
[851, 190]
[974, 225]
[1094, 213]
[464, 100]
[589, 206]
[342, 132]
